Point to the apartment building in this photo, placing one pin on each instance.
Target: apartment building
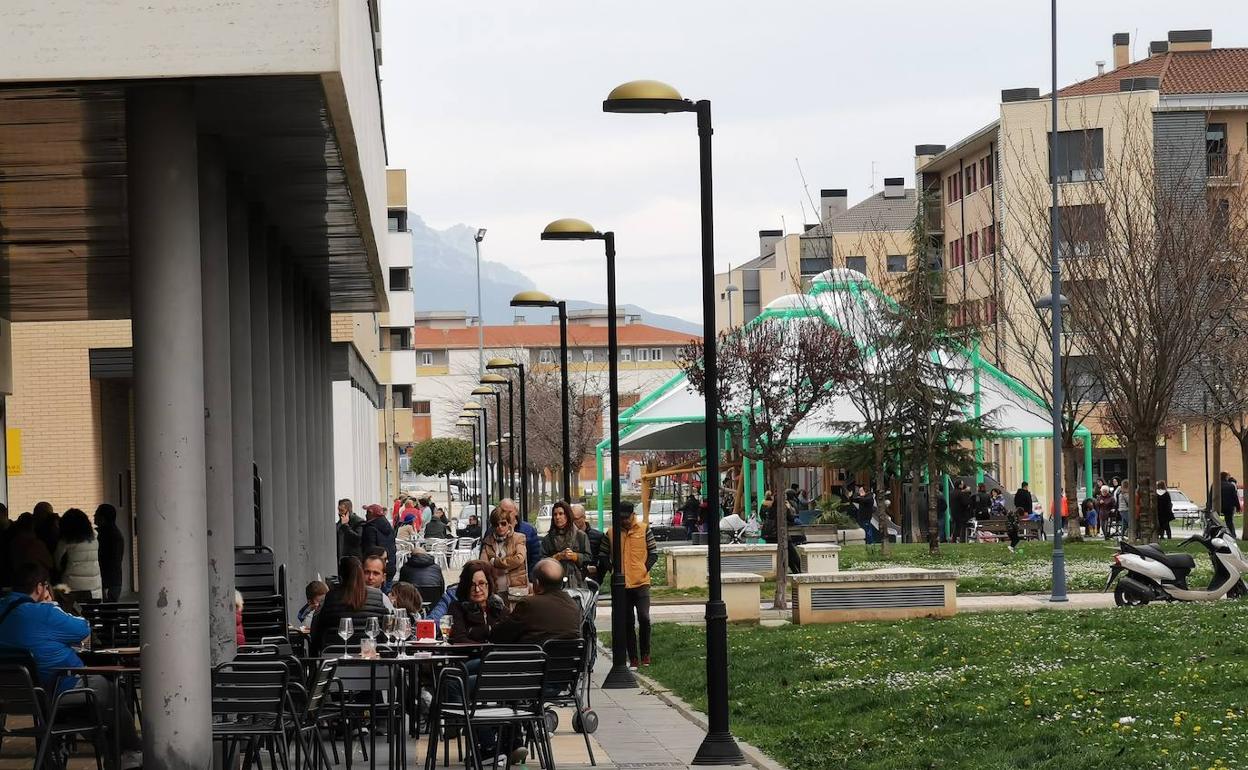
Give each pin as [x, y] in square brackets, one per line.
[1185, 100]
[872, 237]
[374, 371]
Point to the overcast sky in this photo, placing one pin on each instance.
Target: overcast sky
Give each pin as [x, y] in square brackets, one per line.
[495, 110]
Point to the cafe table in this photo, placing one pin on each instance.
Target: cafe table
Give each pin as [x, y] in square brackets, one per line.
[114, 674]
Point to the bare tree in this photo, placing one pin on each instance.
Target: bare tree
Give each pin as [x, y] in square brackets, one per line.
[773, 373]
[545, 422]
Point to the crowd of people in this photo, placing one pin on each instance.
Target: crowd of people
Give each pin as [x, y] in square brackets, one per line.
[82, 557]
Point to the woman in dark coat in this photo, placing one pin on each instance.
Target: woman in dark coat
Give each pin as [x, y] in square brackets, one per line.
[567, 544]
[351, 598]
[473, 616]
[112, 550]
[1165, 511]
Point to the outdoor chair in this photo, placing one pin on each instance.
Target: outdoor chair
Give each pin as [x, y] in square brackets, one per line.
[363, 696]
[465, 550]
[250, 709]
[567, 675]
[113, 624]
[68, 714]
[440, 549]
[313, 717]
[505, 695]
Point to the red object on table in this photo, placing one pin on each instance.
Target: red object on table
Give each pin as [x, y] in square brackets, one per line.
[426, 629]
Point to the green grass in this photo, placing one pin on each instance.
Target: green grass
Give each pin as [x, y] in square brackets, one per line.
[1043, 690]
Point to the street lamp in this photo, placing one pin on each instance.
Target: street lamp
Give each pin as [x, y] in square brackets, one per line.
[480, 236]
[541, 299]
[507, 363]
[619, 676]
[651, 96]
[730, 289]
[491, 379]
[498, 432]
[480, 413]
[469, 422]
[1059, 553]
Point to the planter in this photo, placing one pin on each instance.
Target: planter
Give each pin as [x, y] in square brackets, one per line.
[821, 533]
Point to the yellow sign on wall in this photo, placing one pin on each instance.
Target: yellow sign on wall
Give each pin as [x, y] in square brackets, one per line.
[13, 451]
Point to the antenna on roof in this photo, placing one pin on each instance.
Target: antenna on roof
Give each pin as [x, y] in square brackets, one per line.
[783, 227]
[871, 186]
[805, 189]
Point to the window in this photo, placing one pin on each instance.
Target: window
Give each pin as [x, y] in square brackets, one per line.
[400, 279]
[857, 263]
[1082, 231]
[955, 187]
[1080, 155]
[420, 408]
[973, 238]
[969, 173]
[426, 358]
[546, 357]
[402, 395]
[897, 263]
[814, 265]
[396, 221]
[989, 239]
[1215, 148]
[588, 355]
[397, 338]
[656, 354]
[957, 256]
[626, 354]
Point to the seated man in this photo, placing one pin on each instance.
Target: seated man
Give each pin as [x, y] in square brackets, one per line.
[547, 614]
[30, 620]
[375, 577]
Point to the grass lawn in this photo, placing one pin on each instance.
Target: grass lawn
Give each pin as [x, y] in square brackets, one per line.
[1156, 687]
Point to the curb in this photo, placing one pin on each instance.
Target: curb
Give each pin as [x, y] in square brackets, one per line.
[752, 754]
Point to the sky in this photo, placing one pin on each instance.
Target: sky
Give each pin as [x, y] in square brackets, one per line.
[495, 110]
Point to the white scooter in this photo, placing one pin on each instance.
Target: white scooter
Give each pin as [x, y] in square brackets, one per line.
[1154, 575]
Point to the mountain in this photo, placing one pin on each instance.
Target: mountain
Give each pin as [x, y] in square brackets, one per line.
[443, 259]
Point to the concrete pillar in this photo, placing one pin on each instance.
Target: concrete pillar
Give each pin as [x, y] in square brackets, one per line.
[325, 442]
[169, 425]
[241, 411]
[301, 547]
[218, 419]
[280, 536]
[296, 559]
[261, 423]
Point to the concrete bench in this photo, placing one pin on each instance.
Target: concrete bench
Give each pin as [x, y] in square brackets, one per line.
[820, 558]
[743, 596]
[883, 594]
[687, 568]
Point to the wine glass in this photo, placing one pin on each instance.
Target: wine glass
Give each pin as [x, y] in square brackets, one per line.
[403, 631]
[446, 621]
[346, 629]
[391, 625]
[371, 628]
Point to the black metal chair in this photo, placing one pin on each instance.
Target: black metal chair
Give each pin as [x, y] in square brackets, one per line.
[313, 718]
[505, 695]
[250, 707]
[70, 713]
[567, 672]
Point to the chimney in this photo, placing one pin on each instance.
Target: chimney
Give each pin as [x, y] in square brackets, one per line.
[1100, 67]
[1157, 47]
[894, 187]
[518, 320]
[1190, 39]
[1122, 49]
[1019, 94]
[923, 154]
[809, 226]
[832, 203]
[767, 240]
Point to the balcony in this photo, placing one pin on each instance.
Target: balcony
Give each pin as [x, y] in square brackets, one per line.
[1224, 170]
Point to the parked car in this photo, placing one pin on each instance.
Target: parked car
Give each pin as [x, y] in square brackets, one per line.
[1184, 509]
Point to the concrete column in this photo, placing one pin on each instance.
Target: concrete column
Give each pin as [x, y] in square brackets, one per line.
[317, 512]
[218, 419]
[240, 367]
[325, 439]
[166, 307]
[261, 319]
[301, 547]
[280, 536]
[296, 560]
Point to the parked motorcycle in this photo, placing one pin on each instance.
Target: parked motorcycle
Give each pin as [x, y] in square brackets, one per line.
[1154, 575]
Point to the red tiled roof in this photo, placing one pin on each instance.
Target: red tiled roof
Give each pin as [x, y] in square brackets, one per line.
[1217, 71]
[544, 336]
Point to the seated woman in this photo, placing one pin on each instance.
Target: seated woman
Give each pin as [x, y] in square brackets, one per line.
[404, 596]
[567, 544]
[473, 616]
[351, 598]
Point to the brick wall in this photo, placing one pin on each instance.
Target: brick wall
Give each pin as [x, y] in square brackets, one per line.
[56, 407]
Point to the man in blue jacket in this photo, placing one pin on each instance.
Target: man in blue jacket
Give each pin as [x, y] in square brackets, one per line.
[30, 620]
[532, 543]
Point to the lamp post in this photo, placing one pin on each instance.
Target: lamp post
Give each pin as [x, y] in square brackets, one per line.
[730, 289]
[467, 422]
[507, 363]
[619, 676]
[492, 379]
[540, 299]
[480, 236]
[498, 433]
[1059, 552]
[649, 96]
[473, 420]
[480, 413]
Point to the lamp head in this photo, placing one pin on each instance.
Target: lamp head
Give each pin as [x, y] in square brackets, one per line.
[464, 424]
[570, 230]
[646, 96]
[533, 298]
[501, 363]
[471, 406]
[480, 236]
[482, 391]
[494, 379]
[730, 288]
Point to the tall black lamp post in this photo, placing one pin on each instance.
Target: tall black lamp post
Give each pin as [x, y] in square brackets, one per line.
[493, 379]
[495, 364]
[480, 414]
[1055, 303]
[619, 676]
[651, 96]
[540, 299]
[482, 390]
[466, 421]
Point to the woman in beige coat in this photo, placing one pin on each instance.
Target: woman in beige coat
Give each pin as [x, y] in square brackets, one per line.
[503, 548]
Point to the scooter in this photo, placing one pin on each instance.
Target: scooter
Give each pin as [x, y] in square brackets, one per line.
[1154, 575]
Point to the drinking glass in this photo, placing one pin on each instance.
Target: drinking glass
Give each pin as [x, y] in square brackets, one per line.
[391, 625]
[404, 632]
[371, 629]
[346, 629]
[446, 622]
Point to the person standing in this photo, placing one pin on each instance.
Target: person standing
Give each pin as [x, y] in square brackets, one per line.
[1106, 509]
[864, 505]
[592, 570]
[961, 511]
[1013, 517]
[504, 549]
[77, 556]
[1023, 499]
[638, 554]
[377, 533]
[349, 531]
[532, 543]
[1230, 501]
[112, 550]
[1165, 511]
[566, 545]
[1122, 501]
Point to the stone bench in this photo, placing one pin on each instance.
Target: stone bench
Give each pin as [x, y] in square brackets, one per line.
[687, 568]
[743, 596]
[820, 558]
[883, 594]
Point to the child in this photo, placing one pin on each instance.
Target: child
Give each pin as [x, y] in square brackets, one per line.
[239, 636]
[1012, 517]
[315, 593]
[1089, 517]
